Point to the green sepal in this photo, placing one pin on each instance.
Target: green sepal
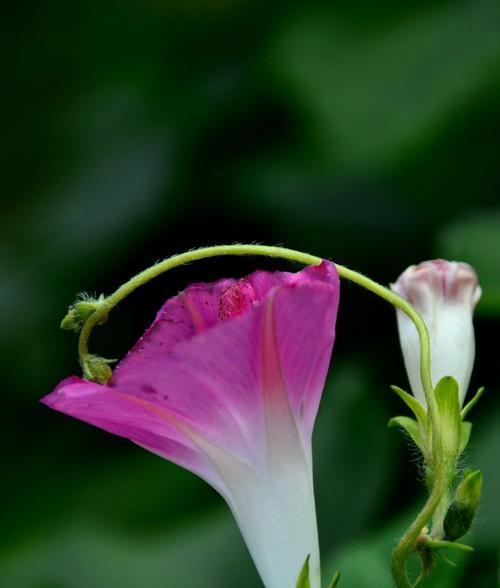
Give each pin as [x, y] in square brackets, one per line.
[464, 436]
[450, 416]
[303, 579]
[413, 404]
[411, 427]
[335, 581]
[436, 544]
[97, 369]
[461, 512]
[472, 403]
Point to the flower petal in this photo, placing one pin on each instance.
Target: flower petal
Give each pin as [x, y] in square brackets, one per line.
[135, 419]
[216, 381]
[180, 318]
[305, 318]
[202, 306]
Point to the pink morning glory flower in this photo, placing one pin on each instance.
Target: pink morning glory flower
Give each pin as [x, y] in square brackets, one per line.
[226, 383]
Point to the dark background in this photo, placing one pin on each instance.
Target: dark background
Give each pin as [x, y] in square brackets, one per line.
[365, 132]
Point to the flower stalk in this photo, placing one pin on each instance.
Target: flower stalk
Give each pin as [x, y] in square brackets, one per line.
[97, 369]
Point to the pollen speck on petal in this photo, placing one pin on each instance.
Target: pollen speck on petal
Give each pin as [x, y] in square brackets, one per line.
[236, 299]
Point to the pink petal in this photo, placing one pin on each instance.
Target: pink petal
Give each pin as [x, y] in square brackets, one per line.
[216, 380]
[132, 418]
[239, 366]
[202, 306]
[212, 383]
[304, 322]
[190, 312]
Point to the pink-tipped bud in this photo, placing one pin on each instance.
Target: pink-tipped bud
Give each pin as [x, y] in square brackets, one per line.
[445, 294]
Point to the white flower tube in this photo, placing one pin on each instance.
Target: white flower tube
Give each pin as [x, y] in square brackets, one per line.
[445, 294]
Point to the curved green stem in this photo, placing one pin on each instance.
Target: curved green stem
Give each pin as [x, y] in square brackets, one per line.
[408, 542]
[281, 252]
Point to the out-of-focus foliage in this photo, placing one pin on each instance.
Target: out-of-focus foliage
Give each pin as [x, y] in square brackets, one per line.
[476, 238]
[367, 133]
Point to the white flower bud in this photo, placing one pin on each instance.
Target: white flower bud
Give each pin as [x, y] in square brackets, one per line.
[445, 294]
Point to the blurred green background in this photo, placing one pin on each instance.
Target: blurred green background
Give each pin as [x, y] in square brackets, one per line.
[364, 132]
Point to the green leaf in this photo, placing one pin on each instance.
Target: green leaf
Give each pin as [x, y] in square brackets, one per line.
[472, 403]
[335, 580]
[448, 401]
[303, 579]
[411, 427]
[464, 435]
[413, 404]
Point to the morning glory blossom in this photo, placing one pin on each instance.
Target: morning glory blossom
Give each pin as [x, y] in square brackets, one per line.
[226, 383]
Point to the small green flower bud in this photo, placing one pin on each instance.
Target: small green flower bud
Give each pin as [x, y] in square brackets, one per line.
[79, 312]
[463, 507]
[97, 369]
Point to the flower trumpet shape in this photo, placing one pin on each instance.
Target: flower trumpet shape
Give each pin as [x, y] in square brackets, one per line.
[226, 383]
[445, 294]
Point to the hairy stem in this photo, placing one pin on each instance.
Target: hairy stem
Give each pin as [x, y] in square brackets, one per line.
[440, 512]
[408, 542]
